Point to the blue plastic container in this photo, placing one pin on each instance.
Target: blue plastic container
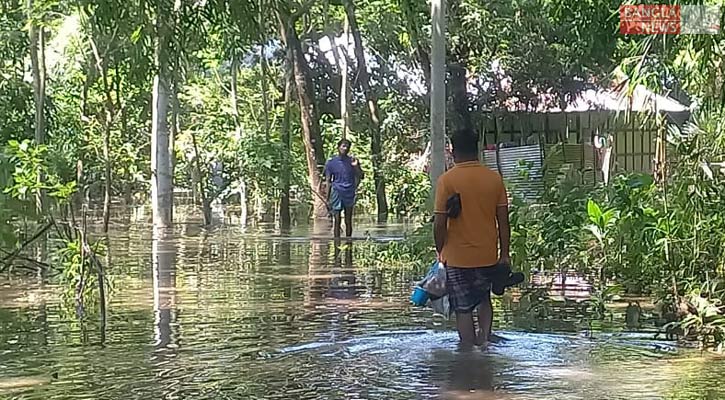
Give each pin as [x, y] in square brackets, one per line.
[419, 297]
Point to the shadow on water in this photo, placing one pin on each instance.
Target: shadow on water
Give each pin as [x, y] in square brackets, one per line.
[225, 314]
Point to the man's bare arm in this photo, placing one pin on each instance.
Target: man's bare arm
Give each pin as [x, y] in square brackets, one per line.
[325, 183]
[504, 230]
[440, 230]
[358, 169]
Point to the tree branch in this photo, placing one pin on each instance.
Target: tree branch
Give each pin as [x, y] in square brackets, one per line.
[30, 260]
[11, 255]
[302, 10]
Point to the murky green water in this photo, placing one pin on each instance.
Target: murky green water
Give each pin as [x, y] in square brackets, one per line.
[226, 315]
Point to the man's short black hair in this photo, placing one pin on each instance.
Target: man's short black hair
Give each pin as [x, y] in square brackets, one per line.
[465, 143]
[344, 141]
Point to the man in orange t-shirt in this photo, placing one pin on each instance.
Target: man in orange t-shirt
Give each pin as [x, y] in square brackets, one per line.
[468, 243]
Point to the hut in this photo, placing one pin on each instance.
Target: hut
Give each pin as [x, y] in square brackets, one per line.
[600, 132]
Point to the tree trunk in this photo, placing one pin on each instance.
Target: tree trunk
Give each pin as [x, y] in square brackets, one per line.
[438, 91]
[374, 112]
[128, 187]
[286, 170]
[341, 64]
[107, 174]
[162, 195]
[161, 180]
[243, 213]
[345, 87]
[420, 52]
[37, 59]
[258, 203]
[311, 137]
[205, 202]
[265, 90]
[195, 183]
[109, 115]
[233, 92]
[163, 264]
[461, 118]
[244, 210]
[84, 93]
[174, 132]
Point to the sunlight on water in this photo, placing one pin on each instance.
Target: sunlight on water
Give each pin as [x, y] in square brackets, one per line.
[223, 314]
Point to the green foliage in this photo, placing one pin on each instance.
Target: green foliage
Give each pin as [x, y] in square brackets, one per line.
[415, 252]
[32, 175]
[410, 191]
[79, 273]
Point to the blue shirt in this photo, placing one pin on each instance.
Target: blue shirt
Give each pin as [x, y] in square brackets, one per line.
[342, 173]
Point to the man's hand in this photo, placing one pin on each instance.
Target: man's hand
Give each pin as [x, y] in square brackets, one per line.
[440, 231]
[354, 162]
[505, 259]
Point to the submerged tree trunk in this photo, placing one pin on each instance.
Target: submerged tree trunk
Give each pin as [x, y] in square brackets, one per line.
[162, 194]
[37, 60]
[308, 114]
[286, 170]
[205, 202]
[374, 112]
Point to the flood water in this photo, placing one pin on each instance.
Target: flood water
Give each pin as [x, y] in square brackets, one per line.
[222, 314]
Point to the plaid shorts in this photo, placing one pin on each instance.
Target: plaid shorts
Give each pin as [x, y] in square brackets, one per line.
[468, 287]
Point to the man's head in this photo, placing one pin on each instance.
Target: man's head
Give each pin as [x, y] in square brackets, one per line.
[343, 146]
[465, 145]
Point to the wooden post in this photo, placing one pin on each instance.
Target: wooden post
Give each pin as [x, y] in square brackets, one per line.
[582, 167]
[594, 149]
[496, 136]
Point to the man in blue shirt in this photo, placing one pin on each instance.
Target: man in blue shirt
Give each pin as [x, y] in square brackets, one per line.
[343, 174]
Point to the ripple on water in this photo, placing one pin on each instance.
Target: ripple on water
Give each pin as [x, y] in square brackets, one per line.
[225, 315]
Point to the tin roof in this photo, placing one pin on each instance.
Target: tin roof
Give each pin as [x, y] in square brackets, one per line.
[615, 99]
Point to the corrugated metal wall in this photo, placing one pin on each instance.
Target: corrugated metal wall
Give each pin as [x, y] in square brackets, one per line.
[578, 157]
[521, 168]
[564, 140]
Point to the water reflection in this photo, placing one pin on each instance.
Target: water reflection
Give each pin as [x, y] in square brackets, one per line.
[317, 273]
[163, 253]
[221, 314]
[343, 282]
[464, 374]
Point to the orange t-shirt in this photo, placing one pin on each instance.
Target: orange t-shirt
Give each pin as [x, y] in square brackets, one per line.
[472, 239]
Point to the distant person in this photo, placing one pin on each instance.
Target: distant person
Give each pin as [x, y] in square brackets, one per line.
[471, 220]
[343, 175]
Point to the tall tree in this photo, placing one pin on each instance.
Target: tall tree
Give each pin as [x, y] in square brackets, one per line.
[162, 187]
[345, 92]
[373, 110]
[422, 55]
[309, 115]
[438, 90]
[108, 118]
[37, 60]
[286, 170]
